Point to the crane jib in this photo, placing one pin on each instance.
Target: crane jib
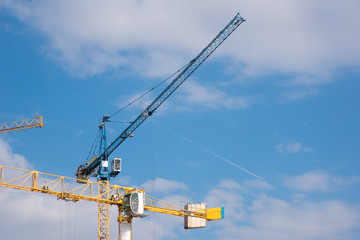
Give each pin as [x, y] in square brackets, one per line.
[191, 67]
[84, 171]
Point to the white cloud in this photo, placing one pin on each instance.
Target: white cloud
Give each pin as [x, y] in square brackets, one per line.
[292, 147]
[267, 217]
[294, 37]
[163, 185]
[191, 97]
[318, 181]
[273, 218]
[258, 184]
[227, 194]
[157, 226]
[196, 96]
[11, 159]
[300, 94]
[41, 216]
[138, 100]
[309, 81]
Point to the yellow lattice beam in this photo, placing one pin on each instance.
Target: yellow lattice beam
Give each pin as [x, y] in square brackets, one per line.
[69, 189]
[63, 187]
[21, 124]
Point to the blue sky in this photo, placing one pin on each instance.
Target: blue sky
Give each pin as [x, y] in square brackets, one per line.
[278, 98]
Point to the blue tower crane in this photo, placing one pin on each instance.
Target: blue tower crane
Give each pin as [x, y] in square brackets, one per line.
[100, 162]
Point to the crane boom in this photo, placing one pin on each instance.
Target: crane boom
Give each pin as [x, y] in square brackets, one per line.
[67, 189]
[21, 124]
[170, 89]
[84, 171]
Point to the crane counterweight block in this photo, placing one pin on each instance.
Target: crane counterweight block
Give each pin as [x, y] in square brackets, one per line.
[81, 177]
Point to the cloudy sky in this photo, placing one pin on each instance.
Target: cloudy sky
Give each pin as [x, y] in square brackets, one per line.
[268, 127]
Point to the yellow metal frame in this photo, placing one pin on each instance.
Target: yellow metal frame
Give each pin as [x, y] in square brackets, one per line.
[68, 189]
[103, 211]
[21, 124]
[102, 192]
[64, 188]
[153, 204]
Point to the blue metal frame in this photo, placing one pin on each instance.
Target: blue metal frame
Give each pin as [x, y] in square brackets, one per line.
[104, 174]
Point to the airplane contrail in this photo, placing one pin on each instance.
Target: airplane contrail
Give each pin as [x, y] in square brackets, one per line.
[211, 152]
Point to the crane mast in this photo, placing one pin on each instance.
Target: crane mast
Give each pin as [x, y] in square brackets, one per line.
[101, 162]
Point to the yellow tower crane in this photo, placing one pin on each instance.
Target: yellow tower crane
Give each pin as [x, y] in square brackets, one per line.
[131, 202]
[37, 121]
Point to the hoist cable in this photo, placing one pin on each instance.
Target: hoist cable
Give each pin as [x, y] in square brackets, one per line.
[92, 149]
[147, 92]
[125, 122]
